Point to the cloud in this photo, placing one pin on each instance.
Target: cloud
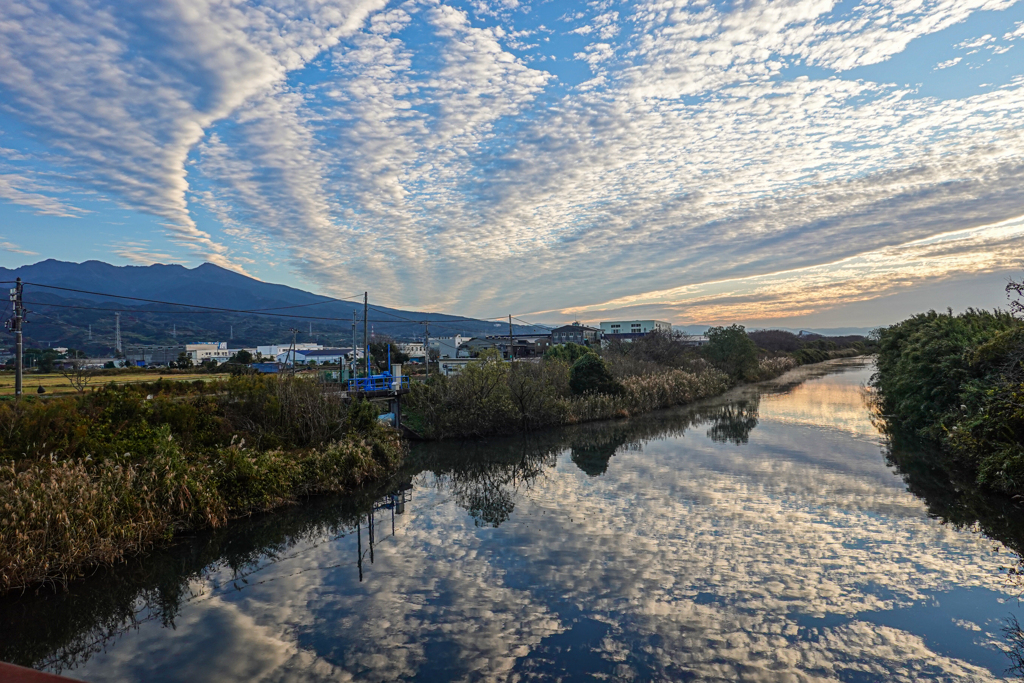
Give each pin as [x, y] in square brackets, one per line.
[15, 249]
[24, 191]
[803, 291]
[140, 253]
[408, 147]
[124, 96]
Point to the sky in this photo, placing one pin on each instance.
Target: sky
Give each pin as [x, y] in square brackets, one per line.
[790, 163]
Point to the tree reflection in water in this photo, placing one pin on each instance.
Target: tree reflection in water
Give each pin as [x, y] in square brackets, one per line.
[951, 492]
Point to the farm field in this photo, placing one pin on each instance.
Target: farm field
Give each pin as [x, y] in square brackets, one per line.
[56, 384]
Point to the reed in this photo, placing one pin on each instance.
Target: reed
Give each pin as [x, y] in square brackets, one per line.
[90, 480]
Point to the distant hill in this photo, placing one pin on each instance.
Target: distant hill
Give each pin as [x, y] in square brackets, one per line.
[63, 318]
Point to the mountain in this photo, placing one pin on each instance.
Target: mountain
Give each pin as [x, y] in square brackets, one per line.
[85, 319]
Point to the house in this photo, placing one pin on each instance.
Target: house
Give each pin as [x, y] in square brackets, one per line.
[528, 346]
[628, 330]
[473, 347]
[576, 334]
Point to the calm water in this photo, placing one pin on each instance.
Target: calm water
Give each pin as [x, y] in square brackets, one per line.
[761, 536]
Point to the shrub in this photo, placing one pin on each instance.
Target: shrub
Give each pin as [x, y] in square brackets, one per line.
[590, 375]
[958, 380]
[567, 353]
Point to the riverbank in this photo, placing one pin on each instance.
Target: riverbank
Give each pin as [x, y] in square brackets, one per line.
[92, 479]
[495, 398]
[957, 383]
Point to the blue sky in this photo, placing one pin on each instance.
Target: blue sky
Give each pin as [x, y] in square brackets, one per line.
[798, 163]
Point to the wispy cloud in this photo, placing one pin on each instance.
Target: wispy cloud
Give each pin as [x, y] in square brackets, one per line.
[813, 289]
[140, 253]
[15, 249]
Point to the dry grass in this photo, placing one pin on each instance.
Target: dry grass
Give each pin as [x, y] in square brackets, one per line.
[59, 385]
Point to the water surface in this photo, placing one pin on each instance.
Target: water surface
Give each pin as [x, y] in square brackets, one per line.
[759, 536]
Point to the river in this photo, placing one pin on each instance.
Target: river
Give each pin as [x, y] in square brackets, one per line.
[765, 535]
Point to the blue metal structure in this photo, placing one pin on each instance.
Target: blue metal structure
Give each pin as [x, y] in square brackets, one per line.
[382, 382]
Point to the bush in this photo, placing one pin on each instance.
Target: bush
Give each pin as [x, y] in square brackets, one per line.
[958, 381]
[590, 375]
[567, 353]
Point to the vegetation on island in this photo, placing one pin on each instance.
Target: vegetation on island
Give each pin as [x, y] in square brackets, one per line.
[89, 479]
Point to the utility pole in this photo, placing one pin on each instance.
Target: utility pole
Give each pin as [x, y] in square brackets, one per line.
[366, 339]
[231, 334]
[291, 350]
[426, 348]
[90, 331]
[352, 365]
[117, 332]
[511, 352]
[14, 325]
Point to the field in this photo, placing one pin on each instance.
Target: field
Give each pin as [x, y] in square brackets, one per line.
[56, 384]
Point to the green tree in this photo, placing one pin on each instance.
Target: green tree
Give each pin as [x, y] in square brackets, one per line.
[590, 374]
[570, 353]
[184, 360]
[731, 350]
[244, 357]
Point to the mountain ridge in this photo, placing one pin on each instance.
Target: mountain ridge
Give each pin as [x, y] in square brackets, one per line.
[67, 318]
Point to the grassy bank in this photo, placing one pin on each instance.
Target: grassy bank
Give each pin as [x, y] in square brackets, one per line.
[573, 384]
[87, 480]
[957, 381]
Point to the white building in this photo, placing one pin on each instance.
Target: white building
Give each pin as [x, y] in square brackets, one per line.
[316, 356]
[448, 347]
[411, 349]
[453, 366]
[631, 329]
[201, 351]
[272, 350]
